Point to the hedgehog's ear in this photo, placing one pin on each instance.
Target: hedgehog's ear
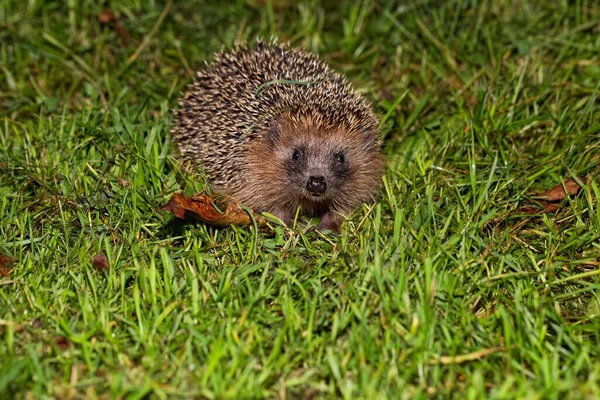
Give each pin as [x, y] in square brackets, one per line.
[371, 139]
[273, 135]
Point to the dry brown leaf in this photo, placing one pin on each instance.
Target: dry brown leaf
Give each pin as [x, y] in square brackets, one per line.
[547, 207]
[212, 210]
[5, 265]
[107, 17]
[123, 182]
[63, 343]
[100, 262]
[550, 198]
[557, 193]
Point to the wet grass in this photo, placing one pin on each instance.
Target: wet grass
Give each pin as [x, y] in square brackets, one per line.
[458, 282]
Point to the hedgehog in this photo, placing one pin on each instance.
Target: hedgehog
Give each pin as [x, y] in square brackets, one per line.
[278, 130]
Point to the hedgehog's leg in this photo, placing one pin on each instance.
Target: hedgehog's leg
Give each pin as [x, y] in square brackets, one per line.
[331, 221]
[284, 215]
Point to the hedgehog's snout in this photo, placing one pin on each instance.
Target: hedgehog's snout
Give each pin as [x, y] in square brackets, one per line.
[316, 185]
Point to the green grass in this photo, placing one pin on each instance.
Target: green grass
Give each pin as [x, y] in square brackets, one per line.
[483, 105]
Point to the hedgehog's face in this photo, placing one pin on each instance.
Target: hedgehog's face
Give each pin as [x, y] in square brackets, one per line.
[315, 170]
[306, 160]
[324, 165]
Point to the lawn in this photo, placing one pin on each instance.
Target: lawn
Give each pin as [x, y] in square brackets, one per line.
[462, 281]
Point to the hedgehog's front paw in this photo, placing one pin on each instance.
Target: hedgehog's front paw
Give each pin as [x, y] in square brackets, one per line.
[285, 216]
[330, 221]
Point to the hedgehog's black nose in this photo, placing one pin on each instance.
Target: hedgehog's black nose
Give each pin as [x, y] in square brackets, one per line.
[316, 185]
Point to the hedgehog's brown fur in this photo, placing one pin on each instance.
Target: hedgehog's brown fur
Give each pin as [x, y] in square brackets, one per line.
[249, 112]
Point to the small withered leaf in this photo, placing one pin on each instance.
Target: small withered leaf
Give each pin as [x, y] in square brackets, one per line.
[547, 207]
[212, 210]
[551, 198]
[176, 206]
[558, 193]
[63, 343]
[123, 182]
[100, 262]
[6, 264]
[106, 16]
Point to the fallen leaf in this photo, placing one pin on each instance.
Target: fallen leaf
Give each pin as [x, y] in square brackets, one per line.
[107, 17]
[551, 197]
[551, 207]
[123, 182]
[100, 262]
[547, 207]
[123, 32]
[558, 193]
[215, 210]
[5, 265]
[63, 343]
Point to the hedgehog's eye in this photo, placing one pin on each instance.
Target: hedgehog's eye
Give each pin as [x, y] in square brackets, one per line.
[339, 158]
[296, 155]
